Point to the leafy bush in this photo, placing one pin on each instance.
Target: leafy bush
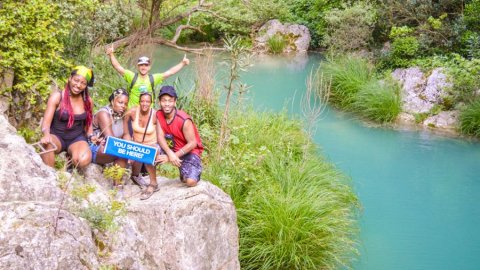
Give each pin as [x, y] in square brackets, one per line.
[32, 50]
[311, 13]
[378, 101]
[405, 47]
[349, 29]
[470, 119]
[276, 43]
[95, 22]
[348, 75]
[464, 73]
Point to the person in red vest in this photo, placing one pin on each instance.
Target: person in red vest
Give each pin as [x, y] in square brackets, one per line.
[178, 137]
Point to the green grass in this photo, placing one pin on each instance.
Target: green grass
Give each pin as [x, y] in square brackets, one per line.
[276, 44]
[295, 210]
[470, 119]
[378, 101]
[349, 74]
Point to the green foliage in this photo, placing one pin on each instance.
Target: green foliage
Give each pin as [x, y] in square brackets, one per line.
[378, 101]
[312, 14]
[94, 22]
[348, 75]
[103, 216]
[464, 74]
[470, 119]
[405, 47]
[115, 173]
[31, 34]
[284, 222]
[349, 29]
[276, 44]
[30, 135]
[241, 16]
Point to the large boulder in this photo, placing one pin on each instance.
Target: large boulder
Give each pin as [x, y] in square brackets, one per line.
[177, 228]
[297, 36]
[35, 232]
[420, 93]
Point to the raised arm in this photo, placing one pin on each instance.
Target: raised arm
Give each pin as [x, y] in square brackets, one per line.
[116, 65]
[52, 105]
[185, 61]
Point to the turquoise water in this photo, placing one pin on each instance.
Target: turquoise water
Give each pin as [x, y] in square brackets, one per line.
[420, 193]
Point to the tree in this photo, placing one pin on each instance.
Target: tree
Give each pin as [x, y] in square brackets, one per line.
[31, 34]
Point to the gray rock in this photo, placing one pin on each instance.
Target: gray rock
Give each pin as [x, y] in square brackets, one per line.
[298, 36]
[177, 228]
[34, 233]
[444, 120]
[420, 94]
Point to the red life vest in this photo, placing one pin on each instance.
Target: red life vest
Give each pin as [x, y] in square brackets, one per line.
[174, 131]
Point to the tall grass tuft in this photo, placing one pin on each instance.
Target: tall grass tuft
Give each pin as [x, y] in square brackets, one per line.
[470, 119]
[276, 43]
[378, 101]
[349, 74]
[295, 210]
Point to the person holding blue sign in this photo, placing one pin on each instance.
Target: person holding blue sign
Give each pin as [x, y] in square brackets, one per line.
[108, 121]
[144, 132]
[142, 81]
[185, 147]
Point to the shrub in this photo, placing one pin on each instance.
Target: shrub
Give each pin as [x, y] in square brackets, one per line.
[348, 75]
[470, 119]
[31, 34]
[378, 101]
[276, 43]
[464, 73]
[351, 28]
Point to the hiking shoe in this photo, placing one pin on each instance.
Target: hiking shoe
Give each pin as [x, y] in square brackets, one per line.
[147, 193]
[139, 181]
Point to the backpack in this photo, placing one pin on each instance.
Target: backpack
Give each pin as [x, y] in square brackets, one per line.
[152, 83]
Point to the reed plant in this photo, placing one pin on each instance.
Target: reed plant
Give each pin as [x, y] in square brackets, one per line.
[470, 119]
[348, 74]
[276, 43]
[378, 101]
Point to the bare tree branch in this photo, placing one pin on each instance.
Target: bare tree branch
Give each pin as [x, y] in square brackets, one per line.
[181, 28]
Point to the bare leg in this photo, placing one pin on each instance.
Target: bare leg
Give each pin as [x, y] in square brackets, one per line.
[80, 153]
[49, 158]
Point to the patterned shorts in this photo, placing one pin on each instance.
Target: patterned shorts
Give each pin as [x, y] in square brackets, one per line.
[191, 167]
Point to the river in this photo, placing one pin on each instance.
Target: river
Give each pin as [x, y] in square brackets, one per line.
[420, 193]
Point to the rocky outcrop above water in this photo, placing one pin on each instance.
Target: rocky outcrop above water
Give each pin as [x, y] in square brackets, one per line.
[177, 228]
[422, 95]
[297, 36]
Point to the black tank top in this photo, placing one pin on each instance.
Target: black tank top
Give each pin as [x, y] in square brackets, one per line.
[59, 125]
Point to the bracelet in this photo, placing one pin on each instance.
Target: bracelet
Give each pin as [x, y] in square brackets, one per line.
[183, 152]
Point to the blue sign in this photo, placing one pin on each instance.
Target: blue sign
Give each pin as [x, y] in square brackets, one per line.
[130, 150]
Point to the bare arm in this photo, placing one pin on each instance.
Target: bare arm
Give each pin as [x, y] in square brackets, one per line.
[52, 105]
[105, 123]
[126, 118]
[116, 65]
[177, 67]
[189, 134]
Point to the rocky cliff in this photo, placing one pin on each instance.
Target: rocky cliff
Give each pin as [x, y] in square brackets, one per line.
[177, 228]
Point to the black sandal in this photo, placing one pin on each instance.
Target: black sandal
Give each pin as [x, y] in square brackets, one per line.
[147, 193]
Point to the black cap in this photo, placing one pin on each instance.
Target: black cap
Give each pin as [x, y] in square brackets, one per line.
[167, 90]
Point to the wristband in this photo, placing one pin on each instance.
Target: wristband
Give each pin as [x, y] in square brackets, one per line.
[183, 152]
